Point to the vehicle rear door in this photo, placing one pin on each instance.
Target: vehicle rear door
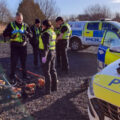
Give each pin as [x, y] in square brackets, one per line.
[105, 55]
[92, 33]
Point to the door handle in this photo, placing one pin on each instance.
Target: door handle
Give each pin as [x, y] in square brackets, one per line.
[87, 32]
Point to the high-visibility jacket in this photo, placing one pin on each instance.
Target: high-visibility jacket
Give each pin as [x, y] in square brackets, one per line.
[66, 34]
[52, 40]
[37, 30]
[57, 31]
[17, 32]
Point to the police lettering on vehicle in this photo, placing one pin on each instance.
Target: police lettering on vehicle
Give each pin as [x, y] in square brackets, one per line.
[92, 39]
[114, 81]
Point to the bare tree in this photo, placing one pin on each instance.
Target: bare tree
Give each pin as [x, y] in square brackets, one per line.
[117, 17]
[49, 8]
[97, 12]
[83, 17]
[70, 18]
[5, 15]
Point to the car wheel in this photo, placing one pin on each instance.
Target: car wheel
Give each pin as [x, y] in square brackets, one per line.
[75, 44]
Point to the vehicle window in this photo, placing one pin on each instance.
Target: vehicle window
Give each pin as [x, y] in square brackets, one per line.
[93, 26]
[108, 26]
[109, 37]
[115, 43]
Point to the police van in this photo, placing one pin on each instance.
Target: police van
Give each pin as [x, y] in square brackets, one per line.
[104, 94]
[89, 33]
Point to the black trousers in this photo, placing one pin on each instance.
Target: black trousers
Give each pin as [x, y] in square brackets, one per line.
[35, 55]
[18, 53]
[61, 55]
[58, 58]
[49, 72]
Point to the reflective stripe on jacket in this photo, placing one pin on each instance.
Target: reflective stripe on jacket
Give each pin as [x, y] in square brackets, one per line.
[52, 40]
[37, 30]
[66, 35]
[17, 33]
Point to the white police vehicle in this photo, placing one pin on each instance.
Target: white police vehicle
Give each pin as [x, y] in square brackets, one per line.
[89, 33]
[104, 94]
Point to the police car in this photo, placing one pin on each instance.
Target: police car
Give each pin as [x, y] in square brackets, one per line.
[109, 49]
[104, 94]
[87, 33]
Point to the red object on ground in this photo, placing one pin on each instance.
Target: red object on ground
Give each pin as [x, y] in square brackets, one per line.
[34, 74]
[31, 85]
[41, 82]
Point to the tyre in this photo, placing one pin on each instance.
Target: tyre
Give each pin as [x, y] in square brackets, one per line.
[75, 44]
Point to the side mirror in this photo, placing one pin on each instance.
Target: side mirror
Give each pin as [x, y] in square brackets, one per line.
[115, 49]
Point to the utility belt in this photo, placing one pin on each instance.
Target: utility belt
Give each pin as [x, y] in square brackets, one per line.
[63, 43]
[18, 44]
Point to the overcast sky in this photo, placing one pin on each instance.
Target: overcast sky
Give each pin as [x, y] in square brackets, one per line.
[73, 7]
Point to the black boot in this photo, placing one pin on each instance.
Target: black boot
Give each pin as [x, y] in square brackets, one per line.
[13, 79]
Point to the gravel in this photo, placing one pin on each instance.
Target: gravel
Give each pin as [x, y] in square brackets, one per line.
[68, 103]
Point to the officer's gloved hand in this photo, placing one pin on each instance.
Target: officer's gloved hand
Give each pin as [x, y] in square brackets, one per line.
[44, 60]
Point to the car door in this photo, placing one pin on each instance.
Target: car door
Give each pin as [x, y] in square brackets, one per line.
[92, 33]
[105, 55]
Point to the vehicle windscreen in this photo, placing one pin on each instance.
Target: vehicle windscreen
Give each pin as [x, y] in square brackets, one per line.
[117, 24]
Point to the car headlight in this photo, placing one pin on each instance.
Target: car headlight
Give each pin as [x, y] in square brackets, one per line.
[91, 86]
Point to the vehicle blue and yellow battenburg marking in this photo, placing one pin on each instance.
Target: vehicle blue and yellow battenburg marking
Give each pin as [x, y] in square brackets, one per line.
[107, 88]
[105, 55]
[101, 53]
[77, 32]
[98, 33]
[95, 33]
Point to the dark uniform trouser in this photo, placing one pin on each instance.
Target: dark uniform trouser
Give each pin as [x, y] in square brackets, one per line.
[35, 54]
[16, 54]
[62, 57]
[49, 72]
[58, 58]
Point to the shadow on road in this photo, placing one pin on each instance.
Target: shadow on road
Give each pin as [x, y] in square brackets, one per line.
[62, 109]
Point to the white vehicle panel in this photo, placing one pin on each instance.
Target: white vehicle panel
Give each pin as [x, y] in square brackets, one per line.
[111, 69]
[92, 40]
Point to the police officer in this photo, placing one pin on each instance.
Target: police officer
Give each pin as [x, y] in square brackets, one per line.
[36, 30]
[63, 40]
[47, 42]
[18, 32]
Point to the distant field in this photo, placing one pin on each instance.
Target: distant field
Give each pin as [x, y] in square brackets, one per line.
[2, 27]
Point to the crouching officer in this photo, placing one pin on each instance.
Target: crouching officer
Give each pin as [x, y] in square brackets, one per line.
[18, 32]
[63, 42]
[36, 30]
[47, 42]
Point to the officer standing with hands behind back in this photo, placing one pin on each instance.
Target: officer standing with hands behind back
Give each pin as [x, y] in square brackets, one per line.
[18, 32]
[36, 30]
[47, 43]
[63, 41]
